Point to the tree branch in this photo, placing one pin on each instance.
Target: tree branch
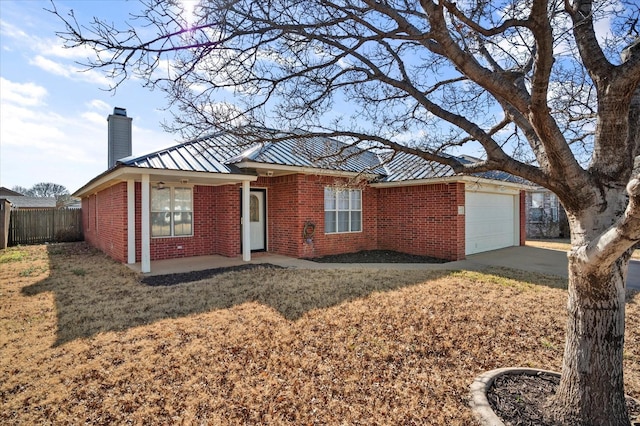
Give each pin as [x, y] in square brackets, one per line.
[603, 250]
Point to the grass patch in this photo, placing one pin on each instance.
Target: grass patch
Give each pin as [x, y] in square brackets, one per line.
[12, 254]
[31, 271]
[79, 272]
[269, 346]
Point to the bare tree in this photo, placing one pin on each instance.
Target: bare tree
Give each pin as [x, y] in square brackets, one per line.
[47, 189]
[529, 83]
[20, 190]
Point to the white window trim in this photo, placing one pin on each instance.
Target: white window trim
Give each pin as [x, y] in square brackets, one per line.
[172, 188]
[336, 191]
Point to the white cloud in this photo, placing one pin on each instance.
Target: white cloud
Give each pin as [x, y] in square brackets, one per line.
[98, 105]
[50, 66]
[55, 48]
[53, 115]
[47, 49]
[93, 117]
[26, 94]
[47, 46]
[69, 71]
[40, 145]
[11, 31]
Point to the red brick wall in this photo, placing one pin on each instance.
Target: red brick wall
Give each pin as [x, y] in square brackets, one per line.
[105, 221]
[226, 210]
[282, 213]
[294, 200]
[422, 220]
[216, 226]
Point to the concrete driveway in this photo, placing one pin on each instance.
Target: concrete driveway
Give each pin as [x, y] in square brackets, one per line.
[533, 259]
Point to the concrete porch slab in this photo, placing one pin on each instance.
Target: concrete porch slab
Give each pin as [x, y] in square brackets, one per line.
[200, 263]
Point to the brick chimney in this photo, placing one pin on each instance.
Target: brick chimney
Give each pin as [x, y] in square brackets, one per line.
[119, 135]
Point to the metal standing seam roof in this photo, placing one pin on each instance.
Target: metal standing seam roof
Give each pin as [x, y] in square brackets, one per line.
[219, 152]
[200, 155]
[318, 152]
[402, 166]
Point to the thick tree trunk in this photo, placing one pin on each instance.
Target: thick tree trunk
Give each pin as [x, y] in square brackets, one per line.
[591, 390]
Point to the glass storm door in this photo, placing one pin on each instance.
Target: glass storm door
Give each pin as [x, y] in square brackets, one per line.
[257, 213]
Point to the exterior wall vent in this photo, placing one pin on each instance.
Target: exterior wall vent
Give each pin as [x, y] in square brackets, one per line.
[119, 143]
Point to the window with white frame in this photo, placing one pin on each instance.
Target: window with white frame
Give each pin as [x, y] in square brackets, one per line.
[536, 211]
[171, 212]
[544, 207]
[554, 208]
[342, 210]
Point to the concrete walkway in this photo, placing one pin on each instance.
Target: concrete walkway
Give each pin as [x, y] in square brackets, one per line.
[532, 259]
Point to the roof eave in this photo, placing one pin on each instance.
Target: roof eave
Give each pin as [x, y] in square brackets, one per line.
[122, 173]
[453, 179]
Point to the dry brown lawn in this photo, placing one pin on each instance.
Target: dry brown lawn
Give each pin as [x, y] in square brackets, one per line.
[83, 341]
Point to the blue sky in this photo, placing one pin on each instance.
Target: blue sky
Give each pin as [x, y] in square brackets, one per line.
[53, 124]
[53, 113]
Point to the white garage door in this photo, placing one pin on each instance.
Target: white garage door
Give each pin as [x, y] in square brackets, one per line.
[490, 221]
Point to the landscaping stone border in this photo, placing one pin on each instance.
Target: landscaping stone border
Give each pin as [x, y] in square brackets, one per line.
[483, 412]
[479, 403]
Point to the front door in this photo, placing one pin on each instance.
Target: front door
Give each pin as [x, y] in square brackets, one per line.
[257, 216]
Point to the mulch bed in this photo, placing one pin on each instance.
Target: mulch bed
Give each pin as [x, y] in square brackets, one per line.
[185, 277]
[376, 256]
[366, 256]
[519, 399]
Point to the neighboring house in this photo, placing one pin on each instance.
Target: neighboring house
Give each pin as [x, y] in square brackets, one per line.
[6, 191]
[70, 203]
[229, 195]
[545, 216]
[19, 201]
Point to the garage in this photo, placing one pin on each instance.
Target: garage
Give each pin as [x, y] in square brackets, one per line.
[491, 220]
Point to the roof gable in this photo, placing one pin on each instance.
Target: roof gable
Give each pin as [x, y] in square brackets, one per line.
[6, 191]
[297, 149]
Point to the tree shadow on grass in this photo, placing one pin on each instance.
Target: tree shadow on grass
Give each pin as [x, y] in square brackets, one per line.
[94, 294]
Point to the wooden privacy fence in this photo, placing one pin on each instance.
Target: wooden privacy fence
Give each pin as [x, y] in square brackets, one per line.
[33, 226]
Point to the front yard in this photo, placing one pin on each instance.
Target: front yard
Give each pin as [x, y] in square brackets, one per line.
[83, 341]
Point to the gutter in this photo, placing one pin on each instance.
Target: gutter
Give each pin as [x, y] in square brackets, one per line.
[455, 179]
